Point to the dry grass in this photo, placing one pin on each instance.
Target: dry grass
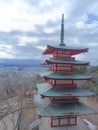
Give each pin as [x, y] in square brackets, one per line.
[29, 114]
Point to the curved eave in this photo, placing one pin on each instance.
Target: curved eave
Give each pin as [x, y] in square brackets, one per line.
[50, 86]
[67, 76]
[73, 50]
[65, 92]
[63, 109]
[72, 62]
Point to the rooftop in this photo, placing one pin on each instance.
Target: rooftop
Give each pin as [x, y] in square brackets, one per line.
[63, 109]
[68, 76]
[75, 62]
[67, 47]
[62, 92]
[74, 50]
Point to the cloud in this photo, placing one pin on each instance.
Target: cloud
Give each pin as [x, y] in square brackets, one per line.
[14, 15]
[27, 26]
[23, 41]
[80, 8]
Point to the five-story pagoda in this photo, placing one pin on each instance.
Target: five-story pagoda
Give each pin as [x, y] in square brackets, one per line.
[62, 93]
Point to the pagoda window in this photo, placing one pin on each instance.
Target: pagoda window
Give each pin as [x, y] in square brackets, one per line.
[55, 54]
[52, 81]
[63, 121]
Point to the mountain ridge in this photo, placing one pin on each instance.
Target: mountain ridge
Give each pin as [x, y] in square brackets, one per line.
[19, 62]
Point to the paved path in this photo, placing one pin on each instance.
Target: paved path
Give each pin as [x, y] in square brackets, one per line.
[44, 125]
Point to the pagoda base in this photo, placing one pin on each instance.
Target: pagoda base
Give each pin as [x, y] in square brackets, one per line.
[63, 121]
[44, 125]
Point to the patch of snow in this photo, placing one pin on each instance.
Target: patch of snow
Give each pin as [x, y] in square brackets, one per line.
[89, 124]
[33, 124]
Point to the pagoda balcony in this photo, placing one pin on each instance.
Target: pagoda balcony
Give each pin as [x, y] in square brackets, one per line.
[63, 85]
[63, 58]
[62, 71]
[61, 68]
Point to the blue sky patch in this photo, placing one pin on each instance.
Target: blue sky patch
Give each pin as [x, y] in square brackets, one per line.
[91, 18]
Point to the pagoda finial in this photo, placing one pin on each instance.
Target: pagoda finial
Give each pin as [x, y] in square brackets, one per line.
[62, 31]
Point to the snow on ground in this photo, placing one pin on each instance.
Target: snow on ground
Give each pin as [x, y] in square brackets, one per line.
[89, 124]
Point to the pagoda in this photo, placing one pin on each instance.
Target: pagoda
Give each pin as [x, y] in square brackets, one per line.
[60, 93]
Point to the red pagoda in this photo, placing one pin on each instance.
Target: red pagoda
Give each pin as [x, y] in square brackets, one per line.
[61, 105]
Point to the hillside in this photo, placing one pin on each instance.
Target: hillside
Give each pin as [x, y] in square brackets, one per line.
[90, 85]
[17, 85]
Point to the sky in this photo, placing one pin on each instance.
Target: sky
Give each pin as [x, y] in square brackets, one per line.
[28, 26]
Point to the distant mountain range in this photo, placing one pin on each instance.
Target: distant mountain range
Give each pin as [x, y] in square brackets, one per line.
[22, 62]
[19, 62]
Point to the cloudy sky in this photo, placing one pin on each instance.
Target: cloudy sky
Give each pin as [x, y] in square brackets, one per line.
[27, 26]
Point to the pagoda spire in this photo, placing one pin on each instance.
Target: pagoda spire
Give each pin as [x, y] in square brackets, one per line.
[62, 31]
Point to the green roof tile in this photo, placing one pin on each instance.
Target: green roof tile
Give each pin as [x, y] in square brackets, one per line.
[63, 109]
[67, 61]
[62, 92]
[68, 76]
[68, 47]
